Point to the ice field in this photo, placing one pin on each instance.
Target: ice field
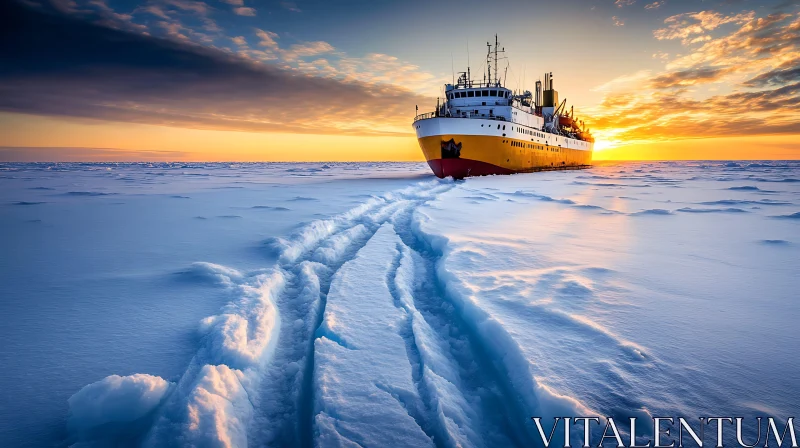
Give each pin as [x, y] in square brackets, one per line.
[375, 305]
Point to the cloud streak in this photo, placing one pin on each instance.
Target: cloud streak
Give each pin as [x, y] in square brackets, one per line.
[245, 11]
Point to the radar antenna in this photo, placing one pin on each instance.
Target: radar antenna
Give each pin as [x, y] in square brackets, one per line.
[493, 55]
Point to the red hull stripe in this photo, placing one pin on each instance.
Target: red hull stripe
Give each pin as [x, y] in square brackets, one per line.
[461, 168]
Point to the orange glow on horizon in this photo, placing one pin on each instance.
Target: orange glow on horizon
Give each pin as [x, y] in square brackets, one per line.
[135, 142]
[757, 147]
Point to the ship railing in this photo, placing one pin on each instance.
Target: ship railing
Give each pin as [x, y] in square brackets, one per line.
[471, 116]
[425, 116]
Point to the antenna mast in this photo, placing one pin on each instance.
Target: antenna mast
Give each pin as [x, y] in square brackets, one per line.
[492, 57]
[469, 75]
[495, 57]
[453, 67]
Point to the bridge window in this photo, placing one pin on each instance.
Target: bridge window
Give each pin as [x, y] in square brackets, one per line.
[494, 93]
[485, 93]
[470, 94]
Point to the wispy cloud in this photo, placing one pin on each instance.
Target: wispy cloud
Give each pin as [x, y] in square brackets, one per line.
[155, 10]
[623, 3]
[307, 49]
[267, 38]
[245, 11]
[661, 55]
[173, 30]
[618, 21]
[187, 5]
[655, 5]
[688, 77]
[66, 6]
[290, 6]
[684, 26]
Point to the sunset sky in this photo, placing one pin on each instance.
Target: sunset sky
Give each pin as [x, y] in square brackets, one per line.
[325, 80]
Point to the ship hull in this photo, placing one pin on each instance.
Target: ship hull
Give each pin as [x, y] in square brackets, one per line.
[462, 156]
[461, 168]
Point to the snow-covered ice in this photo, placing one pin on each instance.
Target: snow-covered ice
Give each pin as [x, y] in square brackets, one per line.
[374, 305]
[364, 391]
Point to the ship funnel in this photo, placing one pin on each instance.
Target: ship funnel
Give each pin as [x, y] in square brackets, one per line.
[549, 96]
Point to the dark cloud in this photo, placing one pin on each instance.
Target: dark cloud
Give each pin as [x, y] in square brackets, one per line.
[786, 73]
[688, 77]
[61, 65]
[786, 4]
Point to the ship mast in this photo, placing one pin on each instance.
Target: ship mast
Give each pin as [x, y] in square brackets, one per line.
[492, 56]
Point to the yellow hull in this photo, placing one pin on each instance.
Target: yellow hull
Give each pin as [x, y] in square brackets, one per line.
[475, 155]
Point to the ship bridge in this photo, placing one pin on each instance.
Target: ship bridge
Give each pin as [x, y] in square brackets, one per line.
[483, 101]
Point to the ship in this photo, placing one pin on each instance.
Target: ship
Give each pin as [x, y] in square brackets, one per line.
[482, 128]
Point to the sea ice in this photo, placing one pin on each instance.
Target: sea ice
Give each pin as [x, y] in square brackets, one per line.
[364, 389]
[116, 399]
[371, 305]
